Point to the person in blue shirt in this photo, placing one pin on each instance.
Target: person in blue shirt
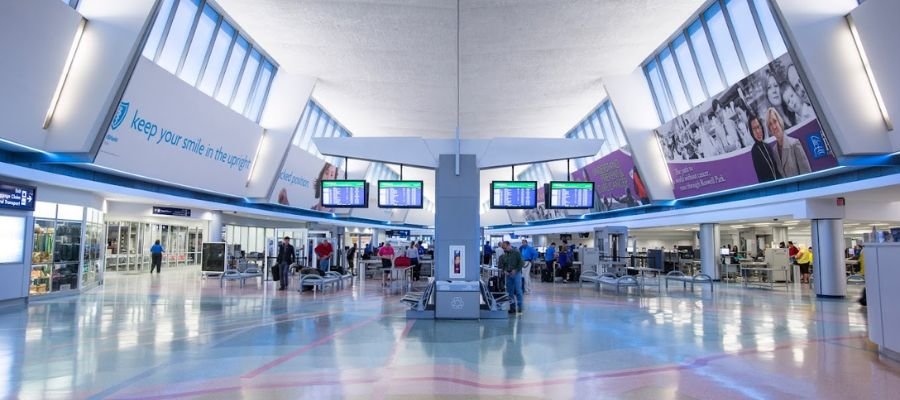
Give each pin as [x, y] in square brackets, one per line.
[487, 253]
[367, 252]
[156, 257]
[529, 254]
[550, 256]
[564, 259]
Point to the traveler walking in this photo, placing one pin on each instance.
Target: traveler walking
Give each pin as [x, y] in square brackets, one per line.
[156, 257]
[284, 261]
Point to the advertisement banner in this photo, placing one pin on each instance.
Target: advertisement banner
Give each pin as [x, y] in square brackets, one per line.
[761, 129]
[617, 183]
[167, 130]
[298, 183]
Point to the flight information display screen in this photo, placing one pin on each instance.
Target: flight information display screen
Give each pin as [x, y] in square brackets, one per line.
[513, 194]
[571, 195]
[345, 194]
[400, 194]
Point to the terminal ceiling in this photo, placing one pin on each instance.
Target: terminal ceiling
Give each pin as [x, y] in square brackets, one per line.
[529, 68]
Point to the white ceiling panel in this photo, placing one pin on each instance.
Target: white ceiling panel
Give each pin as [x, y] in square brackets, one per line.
[530, 68]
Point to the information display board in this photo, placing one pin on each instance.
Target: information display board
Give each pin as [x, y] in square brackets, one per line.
[17, 197]
[400, 194]
[345, 194]
[513, 194]
[213, 258]
[571, 195]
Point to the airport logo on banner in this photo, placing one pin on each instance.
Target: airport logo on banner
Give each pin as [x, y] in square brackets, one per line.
[817, 145]
[121, 113]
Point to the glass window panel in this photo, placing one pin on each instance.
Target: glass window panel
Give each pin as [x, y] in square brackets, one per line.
[770, 28]
[662, 100]
[262, 87]
[688, 70]
[310, 127]
[705, 58]
[178, 34]
[232, 70]
[301, 127]
[595, 125]
[203, 34]
[620, 133]
[156, 32]
[216, 61]
[607, 127]
[721, 38]
[248, 77]
[747, 34]
[673, 80]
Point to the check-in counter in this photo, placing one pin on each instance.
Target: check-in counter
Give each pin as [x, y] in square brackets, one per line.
[882, 276]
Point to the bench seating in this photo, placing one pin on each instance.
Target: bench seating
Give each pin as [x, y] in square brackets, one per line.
[679, 276]
[418, 301]
[250, 270]
[496, 301]
[342, 279]
[318, 282]
[610, 279]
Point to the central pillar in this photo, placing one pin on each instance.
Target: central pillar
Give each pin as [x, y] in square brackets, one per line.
[829, 272]
[456, 236]
[709, 250]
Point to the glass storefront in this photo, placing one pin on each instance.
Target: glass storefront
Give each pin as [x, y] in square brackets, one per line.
[128, 245]
[65, 254]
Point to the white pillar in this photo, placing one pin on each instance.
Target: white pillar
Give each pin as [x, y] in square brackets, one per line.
[780, 234]
[215, 226]
[709, 250]
[829, 272]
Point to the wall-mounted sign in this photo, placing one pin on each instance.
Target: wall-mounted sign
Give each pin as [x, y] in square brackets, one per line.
[403, 234]
[457, 262]
[17, 197]
[172, 211]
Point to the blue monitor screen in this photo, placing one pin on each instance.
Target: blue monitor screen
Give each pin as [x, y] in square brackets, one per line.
[513, 194]
[571, 195]
[400, 194]
[345, 194]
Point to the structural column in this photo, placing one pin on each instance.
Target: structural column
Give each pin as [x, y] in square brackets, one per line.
[829, 272]
[456, 220]
[780, 234]
[215, 226]
[709, 250]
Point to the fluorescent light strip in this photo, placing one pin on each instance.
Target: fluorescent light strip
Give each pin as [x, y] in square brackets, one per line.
[65, 72]
[871, 76]
[256, 157]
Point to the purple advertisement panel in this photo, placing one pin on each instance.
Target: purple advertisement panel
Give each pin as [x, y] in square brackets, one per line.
[761, 129]
[617, 183]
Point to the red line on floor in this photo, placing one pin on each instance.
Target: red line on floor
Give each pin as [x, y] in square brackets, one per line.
[697, 363]
[287, 357]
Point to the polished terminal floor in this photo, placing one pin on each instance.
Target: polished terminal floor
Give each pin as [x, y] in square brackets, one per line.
[176, 336]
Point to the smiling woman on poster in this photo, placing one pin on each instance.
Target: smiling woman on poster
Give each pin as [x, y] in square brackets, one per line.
[764, 162]
[791, 155]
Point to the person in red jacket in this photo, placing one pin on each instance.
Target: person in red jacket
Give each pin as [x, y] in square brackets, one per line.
[792, 251]
[324, 251]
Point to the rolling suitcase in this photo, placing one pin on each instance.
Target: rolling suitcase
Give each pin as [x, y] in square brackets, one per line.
[497, 284]
[547, 274]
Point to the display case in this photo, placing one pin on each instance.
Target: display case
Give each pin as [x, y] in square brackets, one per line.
[92, 259]
[42, 255]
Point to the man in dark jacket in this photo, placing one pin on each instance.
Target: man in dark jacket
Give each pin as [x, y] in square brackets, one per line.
[511, 263]
[284, 261]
